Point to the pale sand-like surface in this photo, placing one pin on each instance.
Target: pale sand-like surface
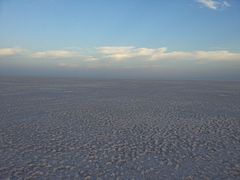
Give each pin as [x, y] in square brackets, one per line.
[53, 128]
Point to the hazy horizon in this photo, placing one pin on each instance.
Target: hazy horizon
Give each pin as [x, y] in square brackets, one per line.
[138, 39]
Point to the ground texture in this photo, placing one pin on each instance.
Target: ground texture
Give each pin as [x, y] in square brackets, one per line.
[53, 128]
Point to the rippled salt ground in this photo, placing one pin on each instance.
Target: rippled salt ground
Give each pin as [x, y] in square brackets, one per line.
[108, 129]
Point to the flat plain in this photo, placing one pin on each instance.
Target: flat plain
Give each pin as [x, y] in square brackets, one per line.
[69, 128]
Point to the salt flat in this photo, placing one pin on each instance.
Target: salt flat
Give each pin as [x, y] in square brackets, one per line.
[69, 128]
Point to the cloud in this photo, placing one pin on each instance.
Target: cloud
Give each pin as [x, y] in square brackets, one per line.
[217, 55]
[128, 52]
[214, 4]
[61, 54]
[111, 54]
[55, 54]
[68, 65]
[156, 54]
[6, 52]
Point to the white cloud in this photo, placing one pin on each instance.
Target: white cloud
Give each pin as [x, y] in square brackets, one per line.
[149, 54]
[214, 4]
[217, 55]
[61, 54]
[128, 52]
[110, 54]
[5, 52]
[55, 54]
[68, 65]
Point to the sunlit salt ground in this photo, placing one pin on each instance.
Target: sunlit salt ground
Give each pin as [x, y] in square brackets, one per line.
[75, 129]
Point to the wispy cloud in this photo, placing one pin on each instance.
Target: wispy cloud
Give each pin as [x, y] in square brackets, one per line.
[128, 52]
[156, 54]
[5, 52]
[111, 54]
[69, 65]
[61, 54]
[55, 54]
[214, 4]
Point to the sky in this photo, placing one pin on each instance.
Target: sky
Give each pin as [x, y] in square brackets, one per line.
[177, 39]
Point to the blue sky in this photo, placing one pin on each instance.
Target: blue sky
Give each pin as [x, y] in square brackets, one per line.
[188, 39]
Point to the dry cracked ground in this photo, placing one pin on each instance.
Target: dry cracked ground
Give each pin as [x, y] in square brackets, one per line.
[53, 128]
